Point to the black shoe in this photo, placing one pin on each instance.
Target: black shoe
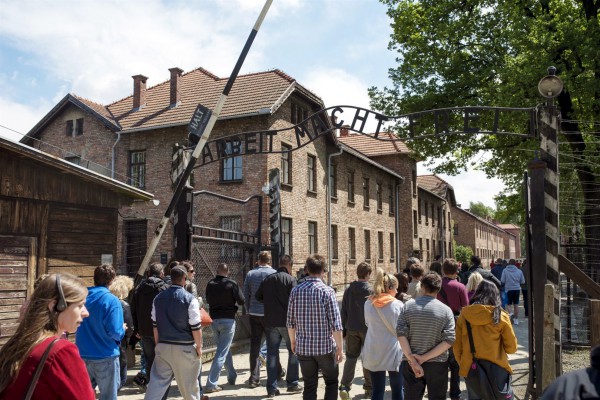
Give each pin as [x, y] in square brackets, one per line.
[273, 394]
[253, 385]
[294, 389]
[282, 374]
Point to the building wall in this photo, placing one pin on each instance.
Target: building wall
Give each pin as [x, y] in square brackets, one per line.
[433, 234]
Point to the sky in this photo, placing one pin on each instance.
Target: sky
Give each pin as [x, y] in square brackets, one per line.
[335, 48]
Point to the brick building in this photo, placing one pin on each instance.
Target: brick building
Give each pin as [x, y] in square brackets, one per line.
[484, 237]
[513, 244]
[349, 197]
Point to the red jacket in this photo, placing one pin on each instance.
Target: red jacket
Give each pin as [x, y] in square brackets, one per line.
[64, 376]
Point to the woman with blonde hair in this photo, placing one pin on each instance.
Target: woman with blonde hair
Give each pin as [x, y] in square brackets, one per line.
[121, 286]
[382, 351]
[474, 280]
[56, 306]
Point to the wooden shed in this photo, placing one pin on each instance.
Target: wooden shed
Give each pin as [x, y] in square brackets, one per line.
[55, 216]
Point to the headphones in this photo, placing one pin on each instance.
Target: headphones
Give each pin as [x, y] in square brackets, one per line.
[61, 305]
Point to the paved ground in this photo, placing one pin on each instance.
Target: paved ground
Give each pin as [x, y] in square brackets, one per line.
[519, 362]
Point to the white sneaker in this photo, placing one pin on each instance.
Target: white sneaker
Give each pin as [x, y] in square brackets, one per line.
[516, 321]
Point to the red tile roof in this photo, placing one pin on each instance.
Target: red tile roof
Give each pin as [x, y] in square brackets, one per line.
[372, 147]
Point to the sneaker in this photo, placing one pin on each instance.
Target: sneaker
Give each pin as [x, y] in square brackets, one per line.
[294, 389]
[262, 360]
[253, 385]
[140, 380]
[344, 394]
[512, 318]
[282, 374]
[213, 390]
[273, 394]
[516, 321]
[368, 394]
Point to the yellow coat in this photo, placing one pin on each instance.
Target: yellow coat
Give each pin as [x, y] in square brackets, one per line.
[492, 342]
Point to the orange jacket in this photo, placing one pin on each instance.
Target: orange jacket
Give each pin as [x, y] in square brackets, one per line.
[492, 342]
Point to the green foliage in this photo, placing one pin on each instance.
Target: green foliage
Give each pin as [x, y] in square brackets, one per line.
[463, 253]
[493, 53]
[481, 210]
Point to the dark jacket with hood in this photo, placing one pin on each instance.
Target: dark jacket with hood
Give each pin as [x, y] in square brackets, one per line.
[353, 304]
[141, 306]
[579, 384]
[484, 273]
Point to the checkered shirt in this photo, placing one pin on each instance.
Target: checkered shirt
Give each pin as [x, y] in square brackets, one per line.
[313, 312]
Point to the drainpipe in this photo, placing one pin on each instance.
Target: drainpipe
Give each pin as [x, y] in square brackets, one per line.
[113, 156]
[329, 240]
[398, 228]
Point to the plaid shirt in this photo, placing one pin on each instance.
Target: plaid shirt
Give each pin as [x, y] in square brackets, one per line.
[313, 312]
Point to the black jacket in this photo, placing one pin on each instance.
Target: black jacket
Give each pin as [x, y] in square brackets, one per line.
[484, 273]
[141, 306]
[353, 305]
[274, 292]
[128, 319]
[222, 294]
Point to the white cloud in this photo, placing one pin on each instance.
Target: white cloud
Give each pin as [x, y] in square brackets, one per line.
[337, 87]
[20, 117]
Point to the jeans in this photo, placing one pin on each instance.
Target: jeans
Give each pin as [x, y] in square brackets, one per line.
[257, 329]
[122, 365]
[355, 341]
[224, 329]
[105, 373]
[378, 379]
[310, 366]
[454, 375]
[435, 378]
[274, 336]
[148, 346]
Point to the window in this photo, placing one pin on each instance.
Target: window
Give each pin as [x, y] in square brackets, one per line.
[455, 229]
[414, 182]
[334, 242]
[427, 244]
[420, 211]
[137, 169]
[231, 167]
[380, 245]
[432, 215]
[365, 188]
[135, 243]
[299, 113]
[74, 127]
[441, 217]
[415, 222]
[311, 173]
[351, 186]
[312, 238]
[74, 159]
[333, 180]
[286, 164]
[449, 222]
[379, 196]
[391, 200]
[367, 244]
[286, 236]
[352, 243]
[392, 247]
[421, 246]
[426, 213]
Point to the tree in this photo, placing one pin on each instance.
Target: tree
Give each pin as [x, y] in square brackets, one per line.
[463, 253]
[484, 52]
[481, 210]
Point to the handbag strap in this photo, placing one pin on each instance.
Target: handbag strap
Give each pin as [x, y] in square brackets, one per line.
[471, 343]
[38, 370]
[385, 322]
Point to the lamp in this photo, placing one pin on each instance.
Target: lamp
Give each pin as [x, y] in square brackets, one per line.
[551, 85]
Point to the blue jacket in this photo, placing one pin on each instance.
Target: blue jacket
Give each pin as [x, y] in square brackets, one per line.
[99, 335]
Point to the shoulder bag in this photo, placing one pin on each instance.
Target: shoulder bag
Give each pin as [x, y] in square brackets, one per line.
[205, 319]
[385, 322]
[487, 379]
[38, 371]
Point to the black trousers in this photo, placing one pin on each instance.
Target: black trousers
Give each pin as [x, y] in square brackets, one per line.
[310, 366]
[257, 331]
[435, 379]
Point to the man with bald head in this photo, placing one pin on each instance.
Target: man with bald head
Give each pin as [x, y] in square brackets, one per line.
[222, 295]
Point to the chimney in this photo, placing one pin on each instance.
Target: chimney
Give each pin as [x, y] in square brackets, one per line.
[139, 91]
[175, 89]
[344, 131]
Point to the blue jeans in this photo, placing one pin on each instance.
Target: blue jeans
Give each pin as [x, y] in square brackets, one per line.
[106, 374]
[274, 336]
[224, 329]
[378, 380]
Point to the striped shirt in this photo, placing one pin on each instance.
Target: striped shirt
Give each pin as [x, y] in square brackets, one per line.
[313, 312]
[426, 322]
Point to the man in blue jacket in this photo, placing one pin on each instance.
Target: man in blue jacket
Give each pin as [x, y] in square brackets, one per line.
[99, 335]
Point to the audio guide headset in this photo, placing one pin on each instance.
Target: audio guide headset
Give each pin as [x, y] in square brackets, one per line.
[61, 305]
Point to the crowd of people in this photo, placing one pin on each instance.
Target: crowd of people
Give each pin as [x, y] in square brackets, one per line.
[424, 329]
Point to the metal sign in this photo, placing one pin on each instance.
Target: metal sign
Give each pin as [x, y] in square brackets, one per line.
[432, 123]
[198, 123]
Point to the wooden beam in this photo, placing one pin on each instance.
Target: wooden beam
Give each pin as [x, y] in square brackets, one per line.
[548, 356]
[594, 323]
[579, 277]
